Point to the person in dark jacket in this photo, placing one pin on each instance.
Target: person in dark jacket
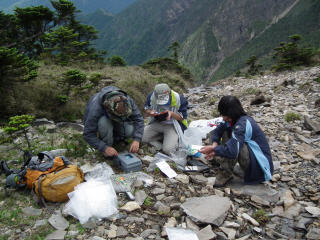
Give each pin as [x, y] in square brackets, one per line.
[239, 139]
[112, 116]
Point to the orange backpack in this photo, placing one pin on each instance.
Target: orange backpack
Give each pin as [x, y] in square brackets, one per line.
[33, 175]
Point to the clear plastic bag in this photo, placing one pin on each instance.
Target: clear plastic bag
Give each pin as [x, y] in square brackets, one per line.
[101, 172]
[159, 157]
[92, 199]
[180, 158]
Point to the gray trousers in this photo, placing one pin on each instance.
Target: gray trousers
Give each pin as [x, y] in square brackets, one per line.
[243, 158]
[110, 132]
[164, 135]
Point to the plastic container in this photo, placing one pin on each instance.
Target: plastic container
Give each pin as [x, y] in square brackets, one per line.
[128, 162]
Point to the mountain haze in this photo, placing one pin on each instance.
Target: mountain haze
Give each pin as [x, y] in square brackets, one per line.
[212, 33]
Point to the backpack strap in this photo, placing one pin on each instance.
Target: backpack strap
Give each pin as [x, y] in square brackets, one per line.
[40, 197]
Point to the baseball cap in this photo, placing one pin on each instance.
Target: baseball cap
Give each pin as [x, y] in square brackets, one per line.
[162, 93]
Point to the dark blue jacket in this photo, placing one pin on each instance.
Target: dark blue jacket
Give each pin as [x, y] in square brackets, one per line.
[246, 130]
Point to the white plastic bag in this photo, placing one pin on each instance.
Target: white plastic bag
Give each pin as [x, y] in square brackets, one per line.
[181, 234]
[193, 136]
[92, 199]
[205, 126]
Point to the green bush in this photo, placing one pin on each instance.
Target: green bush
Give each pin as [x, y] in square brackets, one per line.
[62, 99]
[95, 78]
[261, 216]
[317, 79]
[74, 77]
[117, 61]
[290, 54]
[292, 116]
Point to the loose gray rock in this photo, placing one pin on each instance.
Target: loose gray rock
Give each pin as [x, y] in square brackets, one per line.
[140, 196]
[206, 233]
[313, 234]
[30, 211]
[212, 209]
[58, 222]
[56, 235]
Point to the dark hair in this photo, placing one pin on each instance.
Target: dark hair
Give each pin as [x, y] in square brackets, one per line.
[231, 107]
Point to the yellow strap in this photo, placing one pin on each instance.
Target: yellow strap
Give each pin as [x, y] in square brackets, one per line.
[185, 122]
[173, 100]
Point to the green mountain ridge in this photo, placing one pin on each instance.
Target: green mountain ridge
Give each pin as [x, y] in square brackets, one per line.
[216, 37]
[86, 6]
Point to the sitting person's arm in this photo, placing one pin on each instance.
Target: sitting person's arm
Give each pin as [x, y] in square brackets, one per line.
[182, 111]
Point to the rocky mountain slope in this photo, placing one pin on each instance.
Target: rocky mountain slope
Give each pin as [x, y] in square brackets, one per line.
[285, 105]
[216, 37]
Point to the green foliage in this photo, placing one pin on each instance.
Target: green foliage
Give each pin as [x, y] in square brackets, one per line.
[117, 61]
[290, 54]
[76, 146]
[33, 22]
[80, 228]
[302, 19]
[174, 47]
[37, 30]
[317, 79]
[10, 217]
[74, 77]
[95, 78]
[20, 123]
[292, 116]
[261, 216]
[148, 202]
[156, 66]
[250, 91]
[238, 73]
[15, 68]
[253, 67]
[212, 101]
[62, 99]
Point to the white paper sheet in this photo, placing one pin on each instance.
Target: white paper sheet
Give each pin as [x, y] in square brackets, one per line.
[166, 169]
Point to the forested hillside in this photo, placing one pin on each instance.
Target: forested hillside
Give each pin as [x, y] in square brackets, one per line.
[215, 37]
[86, 6]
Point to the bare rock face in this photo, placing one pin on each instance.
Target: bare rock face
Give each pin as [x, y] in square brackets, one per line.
[212, 209]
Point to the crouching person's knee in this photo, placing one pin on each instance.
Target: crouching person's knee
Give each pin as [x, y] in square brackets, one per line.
[167, 149]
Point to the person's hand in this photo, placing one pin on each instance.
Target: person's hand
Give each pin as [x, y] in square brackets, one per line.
[207, 149]
[210, 155]
[169, 115]
[110, 152]
[134, 146]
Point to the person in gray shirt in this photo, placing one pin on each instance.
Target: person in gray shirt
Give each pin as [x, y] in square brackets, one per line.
[112, 116]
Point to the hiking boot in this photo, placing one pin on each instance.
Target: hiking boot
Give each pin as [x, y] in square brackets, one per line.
[222, 178]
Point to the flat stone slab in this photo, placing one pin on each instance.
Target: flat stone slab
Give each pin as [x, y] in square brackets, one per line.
[30, 211]
[58, 222]
[56, 235]
[212, 209]
[263, 191]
